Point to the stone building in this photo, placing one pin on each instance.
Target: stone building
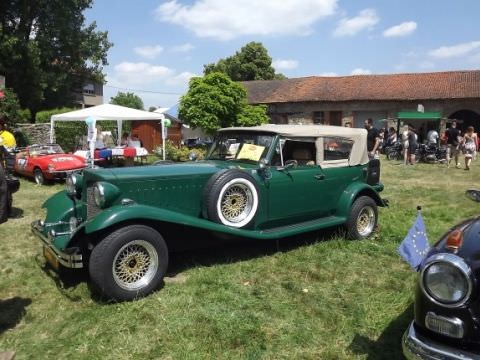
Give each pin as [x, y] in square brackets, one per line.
[337, 100]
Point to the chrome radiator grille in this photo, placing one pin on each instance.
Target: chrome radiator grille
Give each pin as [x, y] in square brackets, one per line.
[92, 208]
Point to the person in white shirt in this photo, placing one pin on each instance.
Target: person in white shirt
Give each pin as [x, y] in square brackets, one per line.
[432, 137]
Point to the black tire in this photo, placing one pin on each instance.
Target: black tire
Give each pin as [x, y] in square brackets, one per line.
[363, 218]
[38, 176]
[115, 265]
[231, 197]
[4, 196]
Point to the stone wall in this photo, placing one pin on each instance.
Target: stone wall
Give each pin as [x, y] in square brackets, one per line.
[36, 133]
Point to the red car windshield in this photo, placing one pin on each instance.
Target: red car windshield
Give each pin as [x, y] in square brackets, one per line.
[36, 150]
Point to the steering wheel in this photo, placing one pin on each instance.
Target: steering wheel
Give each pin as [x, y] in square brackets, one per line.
[292, 163]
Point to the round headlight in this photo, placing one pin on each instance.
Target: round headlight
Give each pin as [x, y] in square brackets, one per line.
[446, 279]
[99, 195]
[70, 185]
[73, 184]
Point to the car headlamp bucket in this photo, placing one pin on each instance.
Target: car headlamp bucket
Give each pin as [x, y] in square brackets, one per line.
[73, 184]
[447, 280]
[104, 194]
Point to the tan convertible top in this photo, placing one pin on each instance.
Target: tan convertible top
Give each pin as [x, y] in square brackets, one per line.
[358, 155]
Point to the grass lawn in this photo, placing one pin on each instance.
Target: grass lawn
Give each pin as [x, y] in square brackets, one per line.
[311, 297]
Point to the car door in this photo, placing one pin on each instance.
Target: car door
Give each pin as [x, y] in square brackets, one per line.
[298, 188]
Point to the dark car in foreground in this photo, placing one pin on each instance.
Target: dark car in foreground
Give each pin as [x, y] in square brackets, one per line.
[9, 184]
[447, 302]
[264, 182]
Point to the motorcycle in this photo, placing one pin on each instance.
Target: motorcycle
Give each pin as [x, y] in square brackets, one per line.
[431, 154]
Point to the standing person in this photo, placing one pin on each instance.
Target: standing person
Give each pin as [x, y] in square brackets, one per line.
[453, 143]
[432, 137]
[6, 137]
[412, 144]
[405, 144]
[373, 138]
[469, 146]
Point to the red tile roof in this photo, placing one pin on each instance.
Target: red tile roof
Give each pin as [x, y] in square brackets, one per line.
[415, 86]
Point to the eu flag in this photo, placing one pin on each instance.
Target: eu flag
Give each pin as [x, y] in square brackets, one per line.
[415, 245]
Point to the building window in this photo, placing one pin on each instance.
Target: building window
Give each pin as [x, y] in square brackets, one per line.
[318, 117]
[89, 89]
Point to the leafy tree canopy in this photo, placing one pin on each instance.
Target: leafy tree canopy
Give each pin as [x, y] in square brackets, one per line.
[47, 51]
[252, 62]
[215, 101]
[9, 107]
[127, 99]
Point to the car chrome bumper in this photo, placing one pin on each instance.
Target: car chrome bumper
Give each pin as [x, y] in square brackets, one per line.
[416, 346]
[73, 261]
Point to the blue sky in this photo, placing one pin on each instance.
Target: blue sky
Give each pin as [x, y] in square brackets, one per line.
[159, 45]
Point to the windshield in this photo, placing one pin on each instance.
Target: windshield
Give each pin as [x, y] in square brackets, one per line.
[45, 150]
[246, 146]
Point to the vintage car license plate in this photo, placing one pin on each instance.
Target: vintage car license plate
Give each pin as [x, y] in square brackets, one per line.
[51, 258]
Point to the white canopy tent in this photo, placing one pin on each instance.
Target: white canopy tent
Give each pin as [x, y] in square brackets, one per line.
[105, 112]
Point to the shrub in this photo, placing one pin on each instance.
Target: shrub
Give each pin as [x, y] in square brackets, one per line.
[24, 116]
[9, 105]
[45, 115]
[179, 153]
[21, 138]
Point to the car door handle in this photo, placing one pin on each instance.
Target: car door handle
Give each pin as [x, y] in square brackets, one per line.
[320, 177]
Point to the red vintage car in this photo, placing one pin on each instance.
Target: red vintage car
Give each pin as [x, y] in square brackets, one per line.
[46, 162]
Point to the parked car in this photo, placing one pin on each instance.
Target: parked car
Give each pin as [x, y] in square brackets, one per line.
[9, 184]
[447, 302]
[264, 182]
[46, 162]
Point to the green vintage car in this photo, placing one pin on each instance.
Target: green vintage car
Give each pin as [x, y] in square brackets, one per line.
[263, 182]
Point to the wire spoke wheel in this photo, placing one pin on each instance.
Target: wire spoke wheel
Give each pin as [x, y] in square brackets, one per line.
[366, 221]
[236, 203]
[135, 264]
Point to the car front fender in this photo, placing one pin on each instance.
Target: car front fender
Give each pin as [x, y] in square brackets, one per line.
[354, 191]
[121, 213]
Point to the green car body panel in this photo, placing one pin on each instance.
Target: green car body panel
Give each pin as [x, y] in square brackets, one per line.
[291, 199]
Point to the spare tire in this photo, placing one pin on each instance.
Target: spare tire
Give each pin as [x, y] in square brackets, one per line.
[231, 198]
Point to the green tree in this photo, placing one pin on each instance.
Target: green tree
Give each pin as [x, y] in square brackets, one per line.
[47, 51]
[9, 106]
[215, 101]
[127, 99]
[252, 62]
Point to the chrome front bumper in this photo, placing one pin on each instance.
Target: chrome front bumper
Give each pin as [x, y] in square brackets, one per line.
[416, 346]
[73, 261]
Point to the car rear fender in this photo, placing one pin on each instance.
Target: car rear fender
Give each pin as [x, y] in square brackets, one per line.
[353, 192]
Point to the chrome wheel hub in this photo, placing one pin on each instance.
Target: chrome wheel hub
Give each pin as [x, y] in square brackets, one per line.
[366, 221]
[135, 265]
[236, 203]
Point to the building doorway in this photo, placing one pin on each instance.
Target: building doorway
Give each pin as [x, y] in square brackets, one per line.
[468, 118]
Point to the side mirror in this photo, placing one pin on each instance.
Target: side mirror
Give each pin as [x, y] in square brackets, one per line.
[473, 194]
[192, 156]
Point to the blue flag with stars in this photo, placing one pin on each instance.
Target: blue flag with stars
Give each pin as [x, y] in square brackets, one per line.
[415, 245]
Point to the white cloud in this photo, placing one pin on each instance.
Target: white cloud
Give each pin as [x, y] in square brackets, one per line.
[365, 20]
[403, 29]
[183, 48]
[181, 79]
[226, 20]
[360, 71]
[140, 73]
[149, 52]
[459, 50]
[329, 74]
[285, 64]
